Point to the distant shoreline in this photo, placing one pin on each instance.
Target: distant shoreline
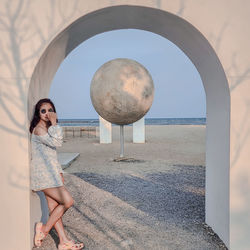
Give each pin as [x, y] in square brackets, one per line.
[148, 121]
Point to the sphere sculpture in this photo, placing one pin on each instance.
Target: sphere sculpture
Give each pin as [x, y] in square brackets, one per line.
[122, 91]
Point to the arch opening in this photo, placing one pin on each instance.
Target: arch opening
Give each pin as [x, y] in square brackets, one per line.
[197, 48]
[171, 70]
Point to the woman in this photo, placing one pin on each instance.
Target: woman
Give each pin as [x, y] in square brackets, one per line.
[47, 174]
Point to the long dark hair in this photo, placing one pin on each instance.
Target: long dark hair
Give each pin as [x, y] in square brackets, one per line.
[36, 116]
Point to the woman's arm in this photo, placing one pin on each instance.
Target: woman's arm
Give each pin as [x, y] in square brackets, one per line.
[54, 137]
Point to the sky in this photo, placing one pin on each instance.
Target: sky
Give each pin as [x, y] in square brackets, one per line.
[179, 92]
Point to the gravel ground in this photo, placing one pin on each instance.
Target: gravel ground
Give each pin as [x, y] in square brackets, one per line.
[154, 203]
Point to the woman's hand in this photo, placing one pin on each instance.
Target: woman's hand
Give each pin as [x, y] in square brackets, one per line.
[62, 177]
[52, 117]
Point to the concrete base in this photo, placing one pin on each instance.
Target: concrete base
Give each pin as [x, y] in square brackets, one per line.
[66, 159]
[139, 131]
[105, 131]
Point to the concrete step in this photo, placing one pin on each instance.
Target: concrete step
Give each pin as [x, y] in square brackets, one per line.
[66, 159]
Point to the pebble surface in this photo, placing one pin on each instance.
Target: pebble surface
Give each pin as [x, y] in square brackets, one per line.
[154, 203]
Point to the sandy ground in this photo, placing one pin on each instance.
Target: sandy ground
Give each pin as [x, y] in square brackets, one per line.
[155, 202]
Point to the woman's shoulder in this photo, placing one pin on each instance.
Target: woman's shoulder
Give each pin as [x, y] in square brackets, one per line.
[38, 130]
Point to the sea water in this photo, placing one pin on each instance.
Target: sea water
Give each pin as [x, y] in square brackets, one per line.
[148, 121]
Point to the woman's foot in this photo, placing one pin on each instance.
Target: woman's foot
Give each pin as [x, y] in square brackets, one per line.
[70, 245]
[39, 234]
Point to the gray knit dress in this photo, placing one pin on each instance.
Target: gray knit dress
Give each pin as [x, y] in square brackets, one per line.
[45, 168]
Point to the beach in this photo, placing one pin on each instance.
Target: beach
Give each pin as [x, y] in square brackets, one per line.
[156, 201]
[175, 144]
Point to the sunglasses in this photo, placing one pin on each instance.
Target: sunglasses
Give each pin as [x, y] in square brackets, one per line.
[43, 111]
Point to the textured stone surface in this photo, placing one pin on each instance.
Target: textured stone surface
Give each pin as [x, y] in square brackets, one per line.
[145, 208]
[122, 91]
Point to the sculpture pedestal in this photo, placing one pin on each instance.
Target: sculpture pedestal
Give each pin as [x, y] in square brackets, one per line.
[105, 130]
[139, 131]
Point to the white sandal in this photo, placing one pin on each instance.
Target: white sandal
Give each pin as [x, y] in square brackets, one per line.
[70, 245]
[39, 235]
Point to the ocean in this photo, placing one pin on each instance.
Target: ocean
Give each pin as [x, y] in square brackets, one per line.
[148, 121]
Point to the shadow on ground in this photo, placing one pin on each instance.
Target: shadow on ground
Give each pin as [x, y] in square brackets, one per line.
[138, 209]
[177, 196]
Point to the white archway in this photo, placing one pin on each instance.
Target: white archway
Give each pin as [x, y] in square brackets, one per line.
[198, 49]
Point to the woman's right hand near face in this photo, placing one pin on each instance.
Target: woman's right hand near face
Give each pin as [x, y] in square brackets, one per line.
[52, 117]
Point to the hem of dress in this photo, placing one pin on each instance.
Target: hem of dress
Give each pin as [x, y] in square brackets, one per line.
[40, 189]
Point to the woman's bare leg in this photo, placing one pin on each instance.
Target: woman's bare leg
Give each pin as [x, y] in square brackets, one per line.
[64, 200]
[52, 204]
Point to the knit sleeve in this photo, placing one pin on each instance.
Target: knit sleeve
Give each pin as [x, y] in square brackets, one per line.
[54, 137]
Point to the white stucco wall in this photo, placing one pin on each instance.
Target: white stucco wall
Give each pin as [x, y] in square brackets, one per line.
[220, 52]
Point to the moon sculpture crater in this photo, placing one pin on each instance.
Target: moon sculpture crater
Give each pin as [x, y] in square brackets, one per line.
[122, 91]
